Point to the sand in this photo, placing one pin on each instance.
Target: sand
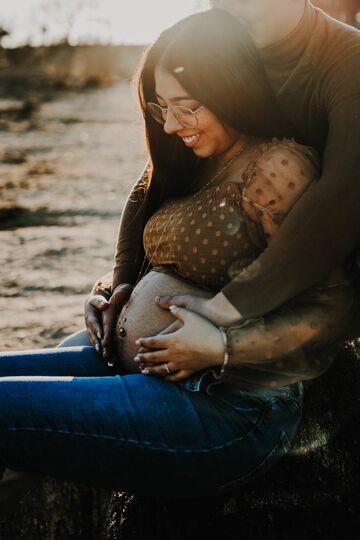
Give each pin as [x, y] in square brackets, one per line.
[64, 176]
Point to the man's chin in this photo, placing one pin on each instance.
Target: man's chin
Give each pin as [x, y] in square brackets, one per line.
[231, 9]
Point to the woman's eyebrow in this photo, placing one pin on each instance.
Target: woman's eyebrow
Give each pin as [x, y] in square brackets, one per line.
[176, 98]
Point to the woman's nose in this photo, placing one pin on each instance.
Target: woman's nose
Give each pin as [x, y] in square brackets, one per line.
[172, 124]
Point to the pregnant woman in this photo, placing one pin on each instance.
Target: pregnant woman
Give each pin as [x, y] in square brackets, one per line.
[216, 402]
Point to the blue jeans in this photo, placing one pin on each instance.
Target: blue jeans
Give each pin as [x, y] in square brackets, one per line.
[66, 414]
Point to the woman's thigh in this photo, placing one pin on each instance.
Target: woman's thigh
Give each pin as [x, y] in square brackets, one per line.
[140, 433]
[81, 361]
[78, 338]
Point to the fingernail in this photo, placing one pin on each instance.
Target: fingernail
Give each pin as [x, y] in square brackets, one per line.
[145, 372]
[98, 335]
[137, 359]
[157, 298]
[97, 348]
[171, 308]
[137, 342]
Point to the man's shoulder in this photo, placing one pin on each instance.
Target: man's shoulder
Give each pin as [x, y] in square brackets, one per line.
[335, 33]
[334, 47]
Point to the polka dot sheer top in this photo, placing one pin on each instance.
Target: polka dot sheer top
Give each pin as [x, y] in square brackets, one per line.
[210, 236]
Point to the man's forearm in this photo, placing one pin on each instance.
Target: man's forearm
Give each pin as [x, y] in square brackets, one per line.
[323, 228]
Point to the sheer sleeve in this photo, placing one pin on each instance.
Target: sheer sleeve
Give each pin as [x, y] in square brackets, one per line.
[276, 181]
[298, 340]
[295, 342]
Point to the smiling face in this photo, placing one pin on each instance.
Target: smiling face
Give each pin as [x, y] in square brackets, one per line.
[210, 137]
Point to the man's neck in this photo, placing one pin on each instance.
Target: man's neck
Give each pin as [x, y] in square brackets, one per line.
[271, 23]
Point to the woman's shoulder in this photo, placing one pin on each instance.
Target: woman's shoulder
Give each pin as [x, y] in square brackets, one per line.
[280, 157]
[280, 173]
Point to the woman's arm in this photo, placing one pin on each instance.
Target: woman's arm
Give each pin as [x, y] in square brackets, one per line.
[297, 341]
[324, 227]
[129, 250]
[294, 341]
[111, 291]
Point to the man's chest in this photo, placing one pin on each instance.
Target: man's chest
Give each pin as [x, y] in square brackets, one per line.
[301, 97]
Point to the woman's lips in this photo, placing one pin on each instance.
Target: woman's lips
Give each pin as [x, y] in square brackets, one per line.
[191, 140]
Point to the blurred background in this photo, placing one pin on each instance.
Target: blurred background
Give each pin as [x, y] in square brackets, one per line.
[71, 146]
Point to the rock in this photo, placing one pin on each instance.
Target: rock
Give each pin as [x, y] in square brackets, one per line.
[313, 492]
[58, 511]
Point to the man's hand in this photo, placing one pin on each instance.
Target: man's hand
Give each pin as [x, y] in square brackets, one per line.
[217, 310]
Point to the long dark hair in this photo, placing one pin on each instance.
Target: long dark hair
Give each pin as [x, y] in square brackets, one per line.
[221, 68]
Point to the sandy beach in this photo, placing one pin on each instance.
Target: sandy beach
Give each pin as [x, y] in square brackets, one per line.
[64, 176]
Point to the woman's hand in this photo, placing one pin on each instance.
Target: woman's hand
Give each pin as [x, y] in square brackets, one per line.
[94, 306]
[197, 344]
[110, 315]
[218, 309]
[101, 316]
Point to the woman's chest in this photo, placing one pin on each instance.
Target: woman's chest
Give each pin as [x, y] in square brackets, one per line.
[207, 237]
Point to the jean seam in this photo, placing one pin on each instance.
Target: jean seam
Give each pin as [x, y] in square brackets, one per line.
[253, 473]
[147, 444]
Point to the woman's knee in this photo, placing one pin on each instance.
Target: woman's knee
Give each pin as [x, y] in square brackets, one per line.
[78, 338]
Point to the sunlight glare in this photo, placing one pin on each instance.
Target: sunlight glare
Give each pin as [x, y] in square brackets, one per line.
[91, 21]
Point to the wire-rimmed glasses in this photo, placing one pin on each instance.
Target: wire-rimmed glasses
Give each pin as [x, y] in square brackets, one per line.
[185, 116]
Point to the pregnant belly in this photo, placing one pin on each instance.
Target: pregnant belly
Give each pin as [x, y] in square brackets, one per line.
[141, 317]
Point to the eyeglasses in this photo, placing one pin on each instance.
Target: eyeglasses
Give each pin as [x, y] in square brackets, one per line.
[185, 116]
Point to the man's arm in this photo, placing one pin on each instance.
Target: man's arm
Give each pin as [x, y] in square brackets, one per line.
[324, 226]
[298, 340]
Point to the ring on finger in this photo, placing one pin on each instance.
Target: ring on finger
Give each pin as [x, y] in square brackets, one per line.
[169, 372]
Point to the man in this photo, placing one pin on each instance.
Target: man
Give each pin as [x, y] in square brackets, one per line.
[313, 63]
